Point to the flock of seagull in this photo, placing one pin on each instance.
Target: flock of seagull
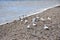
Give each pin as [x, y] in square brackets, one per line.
[34, 20]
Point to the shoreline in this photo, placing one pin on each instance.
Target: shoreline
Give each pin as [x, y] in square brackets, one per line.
[31, 14]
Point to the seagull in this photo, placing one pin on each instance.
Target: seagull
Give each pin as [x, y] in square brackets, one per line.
[37, 17]
[22, 17]
[49, 18]
[34, 24]
[45, 27]
[26, 21]
[42, 19]
[28, 26]
[21, 20]
[33, 20]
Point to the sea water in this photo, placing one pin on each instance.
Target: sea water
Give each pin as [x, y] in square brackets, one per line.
[11, 10]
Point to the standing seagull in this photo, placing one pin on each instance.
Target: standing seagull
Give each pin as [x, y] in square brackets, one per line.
[34, 24]
[46, 27]
[33, 20]
[28, 26]
[22, 18]
[26, 21]
[37, 17]
[42, 19]
[49, 18]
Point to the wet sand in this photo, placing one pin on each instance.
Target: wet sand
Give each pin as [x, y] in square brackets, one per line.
[17, 30]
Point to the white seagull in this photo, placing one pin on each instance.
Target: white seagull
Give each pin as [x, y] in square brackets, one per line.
[28, 26]
[34, 24]
[49, 18]
[45, 27]
[33, 20]
[26, 21]
[42, 19]
[37, 17]
[21, 20]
